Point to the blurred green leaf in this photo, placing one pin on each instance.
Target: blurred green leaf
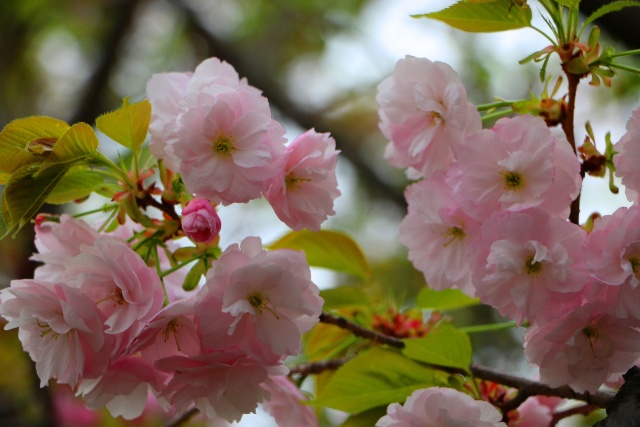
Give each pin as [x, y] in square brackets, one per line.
[344, 296]
[128, 125]
[78, 142]
[193, 276]
[375, 377]
[446, 346]
[446, 299]
[367, 418]
[328, 249]
[499, 15]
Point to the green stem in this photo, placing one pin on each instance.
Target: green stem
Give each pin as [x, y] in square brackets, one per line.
[625, 53]
[494, 105]
[159, 270]
[625, 68]
[105, 208]
[488, 328]
[179, 266]
[496, 115]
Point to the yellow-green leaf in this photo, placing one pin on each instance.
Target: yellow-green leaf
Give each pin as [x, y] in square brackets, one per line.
[27, 140]
[79, 141]
[328, 249]
[375, 377]
[446, 346]
[128, 125]
[475, 17]
[75, 184]
[446, 299]
[194, 275]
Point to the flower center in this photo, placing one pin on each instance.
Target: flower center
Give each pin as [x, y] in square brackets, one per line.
[223, 144]
[453, 233]
[592, 334]
[293, 182]
[260, 302]
[532, 267]
[513, 180]
[172, 329]
[635, 266]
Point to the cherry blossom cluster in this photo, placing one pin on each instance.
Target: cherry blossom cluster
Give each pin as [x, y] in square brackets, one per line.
[94, 317]
[488, 215]
[118, 328]
[217, 131]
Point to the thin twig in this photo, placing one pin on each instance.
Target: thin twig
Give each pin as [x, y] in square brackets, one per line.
[183, 418]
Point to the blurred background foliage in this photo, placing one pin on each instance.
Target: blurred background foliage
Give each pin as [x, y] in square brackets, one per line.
[318, 62]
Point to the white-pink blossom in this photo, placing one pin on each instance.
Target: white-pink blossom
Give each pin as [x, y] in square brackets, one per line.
[219, 384]
[229, 146]
[517, 164]
[627, 157]
[425, 113]
[530, 264]
[442, 407]
[285, 403]
[536, 411]
[124, 387]
[57, 242]
[612, 253]
[302, 195]
[439, 234]
[269, 295]
[60, 328]
[582, 349]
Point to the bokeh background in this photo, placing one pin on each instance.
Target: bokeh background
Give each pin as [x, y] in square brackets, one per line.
[318, 62]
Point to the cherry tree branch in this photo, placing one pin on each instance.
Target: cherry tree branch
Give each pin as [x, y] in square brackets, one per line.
[568, 126]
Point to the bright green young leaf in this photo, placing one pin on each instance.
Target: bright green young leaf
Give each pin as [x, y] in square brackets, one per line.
[446, 299]
[75, 184]
[499, 15]
[344, 296]
[193, 276]
[374, 378]
[328, 249]
[608, 8]
[27, 191]
[27, 140]
[128, 125]
[78, 142]
[446, 346]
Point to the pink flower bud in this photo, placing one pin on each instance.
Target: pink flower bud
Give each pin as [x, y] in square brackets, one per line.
[200, 221]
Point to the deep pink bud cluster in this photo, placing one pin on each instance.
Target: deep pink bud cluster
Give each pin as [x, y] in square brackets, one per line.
[200, 221]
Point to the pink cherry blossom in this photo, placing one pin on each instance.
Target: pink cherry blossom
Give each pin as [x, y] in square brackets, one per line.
[200, 221]
[123, 388]
[229, 146]
[612, 253]
[627, 157]
[517, 165]
[536, 411]
[530, 264]
[442, 407]
[302, 195]
[60, 328]
[269, 294]
[424, 112]
[219, 384]
[285, 403]
[118, 282]
[439, 234]
[58, 241]
[582, 349]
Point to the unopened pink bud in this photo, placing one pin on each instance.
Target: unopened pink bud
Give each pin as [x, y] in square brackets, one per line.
[200, 221]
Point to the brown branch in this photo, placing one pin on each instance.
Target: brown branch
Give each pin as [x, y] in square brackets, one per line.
[318, 367]
[568, 126]
[361, 332]
[578, 410]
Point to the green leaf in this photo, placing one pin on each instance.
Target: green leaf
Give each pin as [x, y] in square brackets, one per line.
[78, 142]
[328, 249]
[365, 419]
[608, 8]
[75, 184]
[446, 299]
[27, 140]
[374, 378]
[344, 296]
[446, 346]
[128, 125]
[499, 15]
[27, 191]
[193, 276]
[571, 4]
